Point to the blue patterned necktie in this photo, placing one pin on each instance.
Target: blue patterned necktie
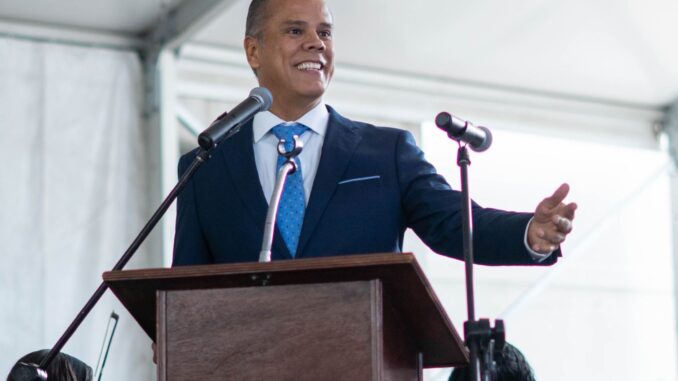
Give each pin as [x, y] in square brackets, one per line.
[292, 201]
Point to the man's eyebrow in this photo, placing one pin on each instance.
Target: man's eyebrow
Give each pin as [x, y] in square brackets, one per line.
[304, 23]
[294, 23]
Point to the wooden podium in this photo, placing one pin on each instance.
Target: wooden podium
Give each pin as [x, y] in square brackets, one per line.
[361, 317]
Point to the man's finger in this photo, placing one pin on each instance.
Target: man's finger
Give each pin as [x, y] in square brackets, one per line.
[558, 196]
[568, 211]
[564, 225]
[543, 248]
[553, 237]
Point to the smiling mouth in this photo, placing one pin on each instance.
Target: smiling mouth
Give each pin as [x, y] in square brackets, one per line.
[310, 66]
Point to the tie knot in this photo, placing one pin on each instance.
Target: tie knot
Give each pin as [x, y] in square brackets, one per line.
[287, 131]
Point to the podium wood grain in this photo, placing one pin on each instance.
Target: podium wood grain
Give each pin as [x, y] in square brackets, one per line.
[318, 339]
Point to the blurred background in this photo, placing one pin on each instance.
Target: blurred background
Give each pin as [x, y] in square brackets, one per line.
[99, 99]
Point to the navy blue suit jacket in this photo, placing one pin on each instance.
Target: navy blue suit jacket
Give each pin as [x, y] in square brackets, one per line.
[372, 183]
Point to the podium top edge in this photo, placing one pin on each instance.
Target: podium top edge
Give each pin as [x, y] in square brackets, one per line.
[303, 264]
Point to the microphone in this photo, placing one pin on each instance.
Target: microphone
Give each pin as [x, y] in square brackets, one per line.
[478, 138]
[260, 99]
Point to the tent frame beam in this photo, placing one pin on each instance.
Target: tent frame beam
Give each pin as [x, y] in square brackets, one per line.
[669, 126]
[161, 45]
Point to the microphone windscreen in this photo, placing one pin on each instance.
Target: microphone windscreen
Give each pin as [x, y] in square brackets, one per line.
[264, 96]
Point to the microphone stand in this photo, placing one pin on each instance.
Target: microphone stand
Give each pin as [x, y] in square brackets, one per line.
[36, 372]
[481, 339]
[288, 168]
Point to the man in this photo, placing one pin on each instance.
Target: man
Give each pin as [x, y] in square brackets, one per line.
[359, 186]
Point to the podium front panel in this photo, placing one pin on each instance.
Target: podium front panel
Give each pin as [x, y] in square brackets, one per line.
[291, 332]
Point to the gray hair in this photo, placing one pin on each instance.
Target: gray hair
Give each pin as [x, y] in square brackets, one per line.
[255, 18]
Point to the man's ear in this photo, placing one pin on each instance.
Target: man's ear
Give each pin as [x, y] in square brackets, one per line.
[251, 45]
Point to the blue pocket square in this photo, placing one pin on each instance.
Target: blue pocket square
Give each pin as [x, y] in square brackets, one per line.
[358, 179]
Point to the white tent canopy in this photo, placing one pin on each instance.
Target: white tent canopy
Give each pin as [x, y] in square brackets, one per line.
[618, 52]
[612, 58]
[622, 52]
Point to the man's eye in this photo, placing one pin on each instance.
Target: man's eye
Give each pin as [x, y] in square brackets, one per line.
[325, 34]
[294, 31]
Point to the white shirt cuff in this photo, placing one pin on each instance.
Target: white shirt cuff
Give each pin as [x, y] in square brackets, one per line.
[538, 257]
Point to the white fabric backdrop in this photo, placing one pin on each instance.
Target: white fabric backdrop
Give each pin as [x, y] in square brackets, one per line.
[73, 194]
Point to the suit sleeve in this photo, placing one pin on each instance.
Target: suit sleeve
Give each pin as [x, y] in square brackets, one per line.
[433, 210]
[190, 246]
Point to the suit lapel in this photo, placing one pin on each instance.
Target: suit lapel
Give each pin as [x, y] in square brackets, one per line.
[238, 156]
[339, 145]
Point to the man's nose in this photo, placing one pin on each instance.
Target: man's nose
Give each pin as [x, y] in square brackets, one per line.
[314, 42]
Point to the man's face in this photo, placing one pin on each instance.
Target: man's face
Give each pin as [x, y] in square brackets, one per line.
[294, 57]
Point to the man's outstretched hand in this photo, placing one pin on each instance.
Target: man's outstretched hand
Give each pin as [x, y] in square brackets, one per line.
[552, 222]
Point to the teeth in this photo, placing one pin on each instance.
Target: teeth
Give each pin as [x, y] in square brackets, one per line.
[309, 66]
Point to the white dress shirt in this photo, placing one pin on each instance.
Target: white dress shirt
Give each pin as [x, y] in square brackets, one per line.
[266, 153]
[266, 143]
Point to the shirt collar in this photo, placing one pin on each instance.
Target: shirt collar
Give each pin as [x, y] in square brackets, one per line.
[316, 119]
